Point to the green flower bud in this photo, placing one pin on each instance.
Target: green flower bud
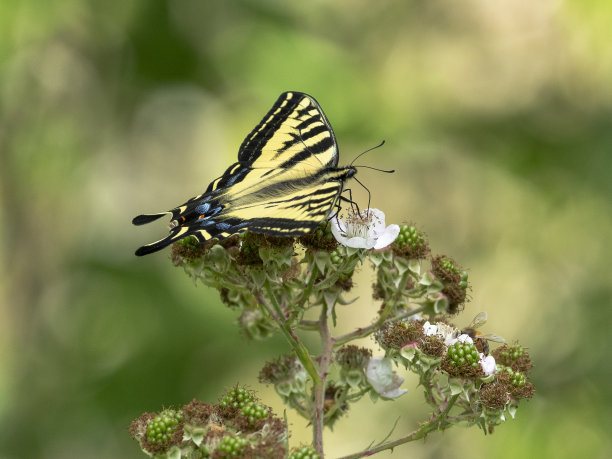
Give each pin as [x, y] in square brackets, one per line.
[410, 243]
[161, 429]
[232, 446]
[305, 452]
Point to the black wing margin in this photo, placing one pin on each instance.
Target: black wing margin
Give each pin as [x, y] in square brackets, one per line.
[307, 121]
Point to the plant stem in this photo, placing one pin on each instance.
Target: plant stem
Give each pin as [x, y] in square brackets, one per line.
[327, 346]
[438, 422]
[366, 331]
[300, 350]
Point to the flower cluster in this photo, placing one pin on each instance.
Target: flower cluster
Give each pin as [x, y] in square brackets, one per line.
[236, 427]
[449, 364]
[285, 285]
[240, 398]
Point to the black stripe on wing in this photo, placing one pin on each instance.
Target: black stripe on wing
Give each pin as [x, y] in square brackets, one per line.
[232, 175]
[303, 136]
[318, 147]
[253, 144]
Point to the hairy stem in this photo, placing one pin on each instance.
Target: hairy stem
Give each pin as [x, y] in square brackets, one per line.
[438, 422]
[327, 347]
[299, 348]
[366, 331]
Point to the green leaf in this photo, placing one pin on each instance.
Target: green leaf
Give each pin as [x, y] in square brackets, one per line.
[376, 258]
[427, 278]
[435, 286]
[174, 453]
[455, 386]
[398, 280]
[408, 352]
[195, 434]
[441, 304]
[353, 378]
[259, 277]
[402, 265]
[414, 266]
[330, 297]
[284, 388]
[350, 251]
[322, 261]
[276, 257]
[218, 257]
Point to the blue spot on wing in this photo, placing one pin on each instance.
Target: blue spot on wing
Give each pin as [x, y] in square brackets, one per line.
[202, 208]
[223, 226]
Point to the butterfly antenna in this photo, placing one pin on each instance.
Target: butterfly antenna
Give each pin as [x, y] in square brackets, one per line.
[369, 149]
[377, 169]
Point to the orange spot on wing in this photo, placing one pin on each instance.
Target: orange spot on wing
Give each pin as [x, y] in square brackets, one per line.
[201, 217]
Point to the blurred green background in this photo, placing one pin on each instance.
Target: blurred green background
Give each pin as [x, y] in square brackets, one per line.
[498, 120]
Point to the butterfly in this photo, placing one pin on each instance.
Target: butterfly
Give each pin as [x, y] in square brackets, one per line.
[285, 182]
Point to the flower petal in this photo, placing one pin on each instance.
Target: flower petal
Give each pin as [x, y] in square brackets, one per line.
[383, 379]
[338, 225]
[377, 221]
[359, 243]
[429, 329]
[389, 235]
[488, 365]
[338, 232]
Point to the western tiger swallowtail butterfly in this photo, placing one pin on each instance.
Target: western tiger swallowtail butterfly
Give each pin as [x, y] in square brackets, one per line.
[285, 182]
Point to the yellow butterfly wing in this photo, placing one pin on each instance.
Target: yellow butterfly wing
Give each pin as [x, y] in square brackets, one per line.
[285, 182]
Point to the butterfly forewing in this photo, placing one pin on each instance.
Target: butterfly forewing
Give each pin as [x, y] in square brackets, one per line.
[295, 132]
[284, 183]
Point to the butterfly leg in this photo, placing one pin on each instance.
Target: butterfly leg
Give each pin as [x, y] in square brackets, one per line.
[366, 188]
[350, 199]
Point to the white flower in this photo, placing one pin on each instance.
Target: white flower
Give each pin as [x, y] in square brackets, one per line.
[488, 364]
[429, 329]
[383, 379]
[366, 230]
[447, 332]
[463, 338]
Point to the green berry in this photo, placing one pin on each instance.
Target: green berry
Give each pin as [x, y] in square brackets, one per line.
[305, 452]
[233, 446]
[236, 398]
[460, 354]
[254, 411]
[161, 428]
[411, 237]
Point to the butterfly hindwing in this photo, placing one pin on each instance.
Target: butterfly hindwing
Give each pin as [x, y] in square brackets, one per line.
[285, 182]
